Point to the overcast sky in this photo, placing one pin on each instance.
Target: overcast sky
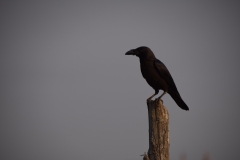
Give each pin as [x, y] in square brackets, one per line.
[68, 92]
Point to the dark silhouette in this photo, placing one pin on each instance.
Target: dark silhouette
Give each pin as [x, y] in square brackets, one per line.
[157, 75]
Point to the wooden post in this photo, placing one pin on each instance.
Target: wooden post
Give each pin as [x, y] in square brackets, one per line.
[159, 144]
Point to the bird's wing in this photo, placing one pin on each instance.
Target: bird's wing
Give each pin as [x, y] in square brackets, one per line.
[164, 73]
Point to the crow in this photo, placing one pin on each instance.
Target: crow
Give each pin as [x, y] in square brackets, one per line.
[157, 75]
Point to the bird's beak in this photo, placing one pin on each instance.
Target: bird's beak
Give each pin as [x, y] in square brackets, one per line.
[131, 52]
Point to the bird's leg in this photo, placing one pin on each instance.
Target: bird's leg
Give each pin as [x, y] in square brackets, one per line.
[149, 99]
[159, 98]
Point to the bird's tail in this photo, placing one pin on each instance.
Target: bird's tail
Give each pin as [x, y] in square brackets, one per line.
[177, 98]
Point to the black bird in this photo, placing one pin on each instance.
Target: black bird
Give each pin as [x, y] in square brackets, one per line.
[157, 75]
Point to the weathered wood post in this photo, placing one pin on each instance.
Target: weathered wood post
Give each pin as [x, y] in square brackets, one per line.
[159, 144]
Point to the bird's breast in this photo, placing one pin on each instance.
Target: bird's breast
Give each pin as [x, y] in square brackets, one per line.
[152, 77]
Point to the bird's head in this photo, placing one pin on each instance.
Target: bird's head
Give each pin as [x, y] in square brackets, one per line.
[140, 52]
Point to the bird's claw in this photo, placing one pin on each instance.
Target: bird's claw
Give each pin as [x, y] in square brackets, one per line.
[159, 99]
[148, 101]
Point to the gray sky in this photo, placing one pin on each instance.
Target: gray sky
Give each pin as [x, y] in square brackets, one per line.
[69, 92]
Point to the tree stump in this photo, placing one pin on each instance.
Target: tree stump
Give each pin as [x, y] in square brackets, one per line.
[159, 144]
